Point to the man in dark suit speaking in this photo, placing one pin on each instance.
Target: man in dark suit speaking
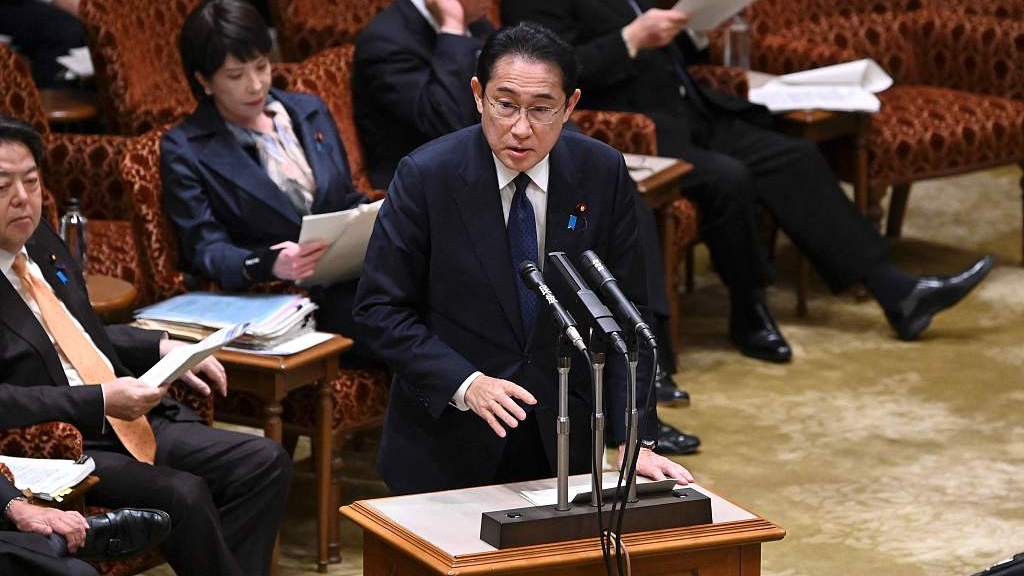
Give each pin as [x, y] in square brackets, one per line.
[224, 490]
[474, 396]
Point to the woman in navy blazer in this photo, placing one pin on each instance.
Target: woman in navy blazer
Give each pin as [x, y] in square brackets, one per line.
[242, 170]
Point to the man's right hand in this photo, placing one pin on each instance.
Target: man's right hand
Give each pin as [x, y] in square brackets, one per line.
[654, 28]
[39, 520]
[450, 15]
[494, 399]
[128, 398]
[297, 261]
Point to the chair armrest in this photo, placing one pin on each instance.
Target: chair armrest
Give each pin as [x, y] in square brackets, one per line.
[58, 440]
[625, 131]
[6, 473]
[202, 405]
[774, 54]
[725, 79]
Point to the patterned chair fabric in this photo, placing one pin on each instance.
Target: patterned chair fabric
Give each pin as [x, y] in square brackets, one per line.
[305, 27]
[57, 440]
[77, 165]
[138, 69]
[329, 76]
[6, 472]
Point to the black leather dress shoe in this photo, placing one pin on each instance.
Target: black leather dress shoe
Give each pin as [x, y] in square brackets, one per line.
[933, 295]
[755, 334]
[668, 395]
[674, 442]
[122, 533]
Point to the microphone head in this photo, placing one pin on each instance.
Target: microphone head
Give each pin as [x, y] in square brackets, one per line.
[527, 267]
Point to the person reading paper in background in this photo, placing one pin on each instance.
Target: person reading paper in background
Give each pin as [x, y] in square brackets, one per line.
[473, 400]
[244, 168]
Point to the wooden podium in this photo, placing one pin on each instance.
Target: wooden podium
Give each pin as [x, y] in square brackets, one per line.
[439, 534]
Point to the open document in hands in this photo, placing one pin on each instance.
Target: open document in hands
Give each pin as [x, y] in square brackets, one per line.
[184, 358]
[850, 86]
[347, 233]
[706, 15]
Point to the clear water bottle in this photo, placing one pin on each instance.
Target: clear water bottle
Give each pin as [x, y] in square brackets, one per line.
[737, 43]
[72, 231]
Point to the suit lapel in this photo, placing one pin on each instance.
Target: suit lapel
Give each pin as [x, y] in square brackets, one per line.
[310, 130]
[224, 155]
[74, 297]
[563, 196]
[479, 205]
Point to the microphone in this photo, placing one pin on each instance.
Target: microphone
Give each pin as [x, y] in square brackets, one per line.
[626, 312]
[535, 281]
[603, 318]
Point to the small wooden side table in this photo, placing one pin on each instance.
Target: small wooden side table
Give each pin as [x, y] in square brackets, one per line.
[68, 106]
[271, 378]
[111, 298]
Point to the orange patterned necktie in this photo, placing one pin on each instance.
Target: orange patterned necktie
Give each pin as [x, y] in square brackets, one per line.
[136, 435]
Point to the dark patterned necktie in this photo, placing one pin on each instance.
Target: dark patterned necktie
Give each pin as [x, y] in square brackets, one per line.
[522, 245]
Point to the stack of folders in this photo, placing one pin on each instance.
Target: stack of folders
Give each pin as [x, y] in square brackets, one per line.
[273, 319]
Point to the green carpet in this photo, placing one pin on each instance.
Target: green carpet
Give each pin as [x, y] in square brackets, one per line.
[879, 457]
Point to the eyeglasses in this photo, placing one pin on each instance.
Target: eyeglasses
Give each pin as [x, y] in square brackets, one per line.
[534, 114]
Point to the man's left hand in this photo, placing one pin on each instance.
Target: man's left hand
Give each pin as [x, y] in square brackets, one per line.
[657, 467]
[215, 375]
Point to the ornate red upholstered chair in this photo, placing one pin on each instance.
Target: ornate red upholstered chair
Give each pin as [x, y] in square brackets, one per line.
[138, 69]
[77, 165]
[958, 101]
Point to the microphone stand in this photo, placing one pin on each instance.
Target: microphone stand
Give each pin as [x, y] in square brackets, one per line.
[598, 347]
[632, 414]
[564, 363]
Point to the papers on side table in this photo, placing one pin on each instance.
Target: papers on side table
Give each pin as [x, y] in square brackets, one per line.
[48, 479]
[706, 15]
[347, 234]
[850, 87]
[78, 61]
[184, 358]
[641, 166]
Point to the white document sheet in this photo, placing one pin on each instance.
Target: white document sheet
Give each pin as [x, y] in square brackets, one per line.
[850, 86]
[184, 358]
[45, 477]
[347, 234]
[79, 61]
[706, 15]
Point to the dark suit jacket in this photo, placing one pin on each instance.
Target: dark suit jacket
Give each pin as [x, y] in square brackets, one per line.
[411, 85]
[33, 386]
[609, 78]
[438, 301]
[222, 202]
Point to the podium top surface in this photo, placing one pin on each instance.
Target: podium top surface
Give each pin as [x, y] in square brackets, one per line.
[450, 520]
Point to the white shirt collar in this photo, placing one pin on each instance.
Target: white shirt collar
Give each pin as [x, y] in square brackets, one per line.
[7, 259]
[421, 5]
[538, 174]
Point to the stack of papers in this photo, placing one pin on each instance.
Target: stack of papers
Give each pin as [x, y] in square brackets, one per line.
[850, 87]
[48, 479]
[272, 321]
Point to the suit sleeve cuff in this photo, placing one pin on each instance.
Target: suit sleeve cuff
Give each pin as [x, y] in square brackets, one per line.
[459, 399]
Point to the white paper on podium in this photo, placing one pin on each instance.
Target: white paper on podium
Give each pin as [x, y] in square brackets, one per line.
[850, 87]
[347, 234]
[706, 15]
[549, 497]
[184, 358]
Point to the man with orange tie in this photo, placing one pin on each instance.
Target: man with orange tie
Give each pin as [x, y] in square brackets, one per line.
[224, 491]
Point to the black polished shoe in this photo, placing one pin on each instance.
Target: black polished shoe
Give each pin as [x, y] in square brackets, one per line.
[668, 395]
[933, 295]
[674, 442]
[123, 533]
[755, 334]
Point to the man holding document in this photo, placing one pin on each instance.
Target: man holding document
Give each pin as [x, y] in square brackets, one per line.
[223, 490]
[635, 58]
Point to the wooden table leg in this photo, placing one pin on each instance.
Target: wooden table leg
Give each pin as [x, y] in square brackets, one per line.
[324, 498]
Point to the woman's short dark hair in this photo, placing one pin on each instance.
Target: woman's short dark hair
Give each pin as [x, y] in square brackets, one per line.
[531, 42]
[13, 130]
[216, 29]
